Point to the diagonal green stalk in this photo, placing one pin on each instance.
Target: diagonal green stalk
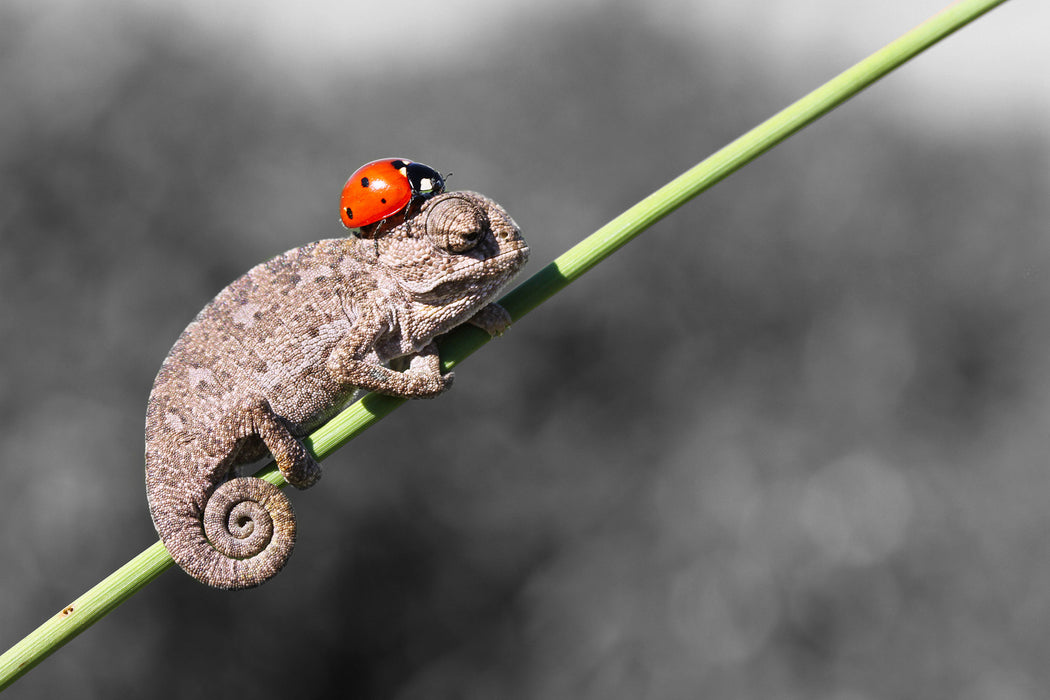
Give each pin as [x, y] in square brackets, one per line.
[462, 342]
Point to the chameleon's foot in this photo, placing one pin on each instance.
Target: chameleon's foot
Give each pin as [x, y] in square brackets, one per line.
[493, 319]
[426, 385]
[298, 467]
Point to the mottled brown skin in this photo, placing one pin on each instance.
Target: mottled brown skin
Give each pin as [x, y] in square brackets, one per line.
[283, 348]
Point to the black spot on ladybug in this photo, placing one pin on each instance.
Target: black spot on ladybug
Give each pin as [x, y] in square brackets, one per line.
[349, 214]
[364, 182]
[383, 200]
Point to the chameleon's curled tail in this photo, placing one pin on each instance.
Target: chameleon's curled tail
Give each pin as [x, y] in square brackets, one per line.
[251, 523]
[242, 539]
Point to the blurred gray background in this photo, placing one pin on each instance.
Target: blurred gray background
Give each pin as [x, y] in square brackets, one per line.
[793, 442]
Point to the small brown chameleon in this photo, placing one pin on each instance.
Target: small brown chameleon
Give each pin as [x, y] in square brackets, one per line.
[282, 349]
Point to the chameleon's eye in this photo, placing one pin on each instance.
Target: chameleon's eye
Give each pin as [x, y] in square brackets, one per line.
[455, 224]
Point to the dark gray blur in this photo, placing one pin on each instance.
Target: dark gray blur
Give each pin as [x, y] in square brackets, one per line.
[791, 443]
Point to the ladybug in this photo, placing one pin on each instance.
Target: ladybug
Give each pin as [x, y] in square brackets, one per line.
[381, 193]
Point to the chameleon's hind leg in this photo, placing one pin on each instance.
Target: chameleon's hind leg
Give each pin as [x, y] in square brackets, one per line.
[297, 465]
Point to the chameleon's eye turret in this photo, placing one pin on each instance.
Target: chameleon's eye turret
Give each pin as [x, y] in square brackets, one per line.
[455, 223]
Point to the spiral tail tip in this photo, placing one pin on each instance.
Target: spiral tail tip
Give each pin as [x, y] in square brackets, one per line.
[251, 528]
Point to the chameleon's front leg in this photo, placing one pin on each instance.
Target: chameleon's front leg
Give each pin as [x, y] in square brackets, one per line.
[422, 379]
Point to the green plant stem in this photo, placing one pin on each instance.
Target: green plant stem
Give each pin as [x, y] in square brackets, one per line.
[463, 341]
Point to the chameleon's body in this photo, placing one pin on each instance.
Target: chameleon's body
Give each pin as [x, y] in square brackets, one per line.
[284, 347]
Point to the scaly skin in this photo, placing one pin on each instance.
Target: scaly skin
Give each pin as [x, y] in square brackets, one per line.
[283, 348]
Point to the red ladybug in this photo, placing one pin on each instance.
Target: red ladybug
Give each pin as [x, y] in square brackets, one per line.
[379, 194]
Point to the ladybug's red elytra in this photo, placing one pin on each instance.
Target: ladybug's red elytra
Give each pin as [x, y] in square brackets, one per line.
[379, 194]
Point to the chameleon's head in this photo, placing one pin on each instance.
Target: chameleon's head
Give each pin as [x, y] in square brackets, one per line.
[459, 244]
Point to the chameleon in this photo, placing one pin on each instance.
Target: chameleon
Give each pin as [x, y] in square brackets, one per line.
[284, 347]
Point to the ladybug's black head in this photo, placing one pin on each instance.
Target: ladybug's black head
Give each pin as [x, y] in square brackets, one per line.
[426, 182]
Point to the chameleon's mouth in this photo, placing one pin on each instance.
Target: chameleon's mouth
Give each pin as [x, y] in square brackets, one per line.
[479, 271]
[486, 279]
[521, 251]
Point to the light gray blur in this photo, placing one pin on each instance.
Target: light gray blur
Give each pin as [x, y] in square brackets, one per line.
[791, 443]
